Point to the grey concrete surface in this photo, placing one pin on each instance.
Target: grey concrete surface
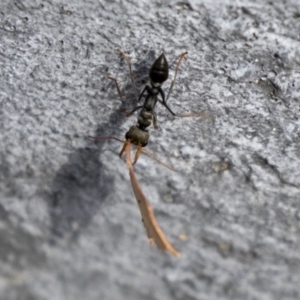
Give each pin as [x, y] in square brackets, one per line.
[69, 224]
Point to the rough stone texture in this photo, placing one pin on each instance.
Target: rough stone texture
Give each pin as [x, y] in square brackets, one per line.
[69, 224]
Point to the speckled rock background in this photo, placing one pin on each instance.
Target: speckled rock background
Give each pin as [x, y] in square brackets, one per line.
[69, 224]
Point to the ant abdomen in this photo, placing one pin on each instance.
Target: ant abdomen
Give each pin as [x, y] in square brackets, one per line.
[159, 71]
[137, 136]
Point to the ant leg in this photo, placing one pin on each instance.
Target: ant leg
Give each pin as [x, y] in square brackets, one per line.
[130, 71]
[123, 148]
[164, 101]
[117, 86]
[137, 154]
[135, 109]
[142, 93]
[182, 55]
[100, 138]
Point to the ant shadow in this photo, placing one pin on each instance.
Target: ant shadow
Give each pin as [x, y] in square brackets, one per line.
[80, 187]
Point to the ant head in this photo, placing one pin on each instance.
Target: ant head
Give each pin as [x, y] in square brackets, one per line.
[159, 71]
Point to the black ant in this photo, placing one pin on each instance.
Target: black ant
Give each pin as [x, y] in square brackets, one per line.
[158, 74]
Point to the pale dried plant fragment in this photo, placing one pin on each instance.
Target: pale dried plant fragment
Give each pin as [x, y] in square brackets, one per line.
[154, 232]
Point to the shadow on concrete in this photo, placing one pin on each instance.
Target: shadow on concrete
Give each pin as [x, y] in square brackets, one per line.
[80, 187]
